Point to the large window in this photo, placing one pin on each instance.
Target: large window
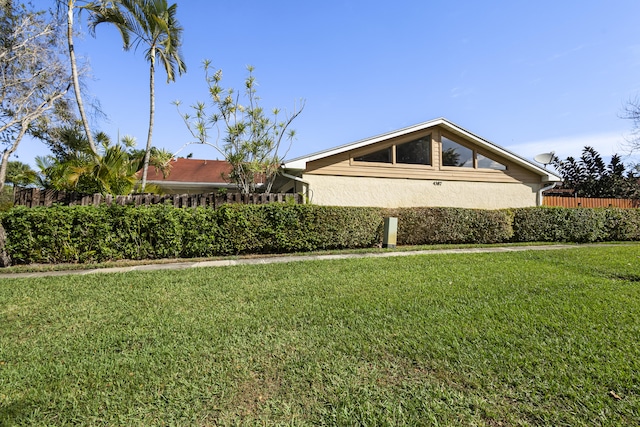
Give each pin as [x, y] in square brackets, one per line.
[457, 155]
[382, 156]
[417, 152]
[454, 154]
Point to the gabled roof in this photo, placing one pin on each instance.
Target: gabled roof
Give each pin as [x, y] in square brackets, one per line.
[192, 174]
[300, 163]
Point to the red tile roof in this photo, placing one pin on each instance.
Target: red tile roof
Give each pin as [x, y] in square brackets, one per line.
[193, 170]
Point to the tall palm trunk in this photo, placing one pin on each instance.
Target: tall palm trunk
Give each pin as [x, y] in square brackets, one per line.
[152, 22]
[152, 103]
[74, 74]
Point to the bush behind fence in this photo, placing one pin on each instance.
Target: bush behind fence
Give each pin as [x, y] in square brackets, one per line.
[103, 233]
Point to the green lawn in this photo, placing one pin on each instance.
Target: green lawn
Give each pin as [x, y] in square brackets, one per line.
[503, 339]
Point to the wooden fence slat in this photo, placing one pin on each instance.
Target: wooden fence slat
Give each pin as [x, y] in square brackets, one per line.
[589, 202]
[35, 198]
[32, 197]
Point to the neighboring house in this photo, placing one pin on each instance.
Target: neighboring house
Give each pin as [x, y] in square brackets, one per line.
[436, 163]
[192, 176]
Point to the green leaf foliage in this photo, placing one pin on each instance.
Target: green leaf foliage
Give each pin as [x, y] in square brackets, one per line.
[80, 234]
[560, 225]
[96, 234]
[420, 226]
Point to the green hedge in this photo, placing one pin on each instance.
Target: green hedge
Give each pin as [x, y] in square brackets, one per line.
[424, 226]
[581, 225]
[95, 234]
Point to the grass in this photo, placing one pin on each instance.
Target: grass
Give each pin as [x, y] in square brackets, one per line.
[517, 338]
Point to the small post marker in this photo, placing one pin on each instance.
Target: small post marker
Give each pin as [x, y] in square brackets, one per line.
[390, 234]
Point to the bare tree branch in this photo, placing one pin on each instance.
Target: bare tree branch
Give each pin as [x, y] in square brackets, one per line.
[33, 75]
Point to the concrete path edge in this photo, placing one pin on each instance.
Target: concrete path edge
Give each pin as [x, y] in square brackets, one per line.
[288, 259]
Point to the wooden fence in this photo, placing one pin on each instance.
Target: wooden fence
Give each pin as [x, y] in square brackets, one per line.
[587, 202]
[32, 197]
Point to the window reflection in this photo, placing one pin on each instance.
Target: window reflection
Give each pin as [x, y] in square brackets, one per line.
[415, 152]
[454, 154]
[382, 156]
[487, 163]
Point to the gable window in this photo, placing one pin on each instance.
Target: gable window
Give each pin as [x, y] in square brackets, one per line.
[416, 152]
[487, 163]
[454, 154]
[457, 155]
[382, 156]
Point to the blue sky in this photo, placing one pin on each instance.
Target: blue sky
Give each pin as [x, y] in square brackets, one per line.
[529, 76]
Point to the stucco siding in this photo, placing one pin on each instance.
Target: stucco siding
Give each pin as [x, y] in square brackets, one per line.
[390, 192]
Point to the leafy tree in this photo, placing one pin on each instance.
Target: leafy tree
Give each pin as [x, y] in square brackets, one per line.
[65, 140]
[113, 170]
[20, 174]
[33, 77]
[154, 24]
[253, 141]
[589, 176]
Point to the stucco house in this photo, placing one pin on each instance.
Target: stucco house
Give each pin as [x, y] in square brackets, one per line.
[435, 163]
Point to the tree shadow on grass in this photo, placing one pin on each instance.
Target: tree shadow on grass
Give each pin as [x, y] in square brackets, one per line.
[16, 413]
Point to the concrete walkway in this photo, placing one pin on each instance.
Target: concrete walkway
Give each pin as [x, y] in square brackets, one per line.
[285, 259]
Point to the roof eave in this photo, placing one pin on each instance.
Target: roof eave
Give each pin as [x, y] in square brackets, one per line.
[300, 163]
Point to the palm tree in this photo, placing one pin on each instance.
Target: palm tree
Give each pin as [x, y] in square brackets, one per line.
[154, 24]
[74, 73]
[114, 170]
[21, 174]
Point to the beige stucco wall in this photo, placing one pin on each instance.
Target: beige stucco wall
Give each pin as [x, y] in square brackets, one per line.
[391, 193]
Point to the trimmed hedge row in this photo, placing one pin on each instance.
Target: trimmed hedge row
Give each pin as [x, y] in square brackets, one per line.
[95, 234]
[425, 226]
[581, 225]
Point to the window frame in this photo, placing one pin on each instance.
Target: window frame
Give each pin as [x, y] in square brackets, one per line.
[475, 152]
[394, 163]
[462, 167]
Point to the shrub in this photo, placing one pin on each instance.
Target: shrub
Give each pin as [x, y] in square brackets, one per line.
[277, 228]
[200, 233]
[39, 235]
[423, 226]
[144, 232]
[338, 227]
[622, 224]
[95, 234]
[553, 224]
